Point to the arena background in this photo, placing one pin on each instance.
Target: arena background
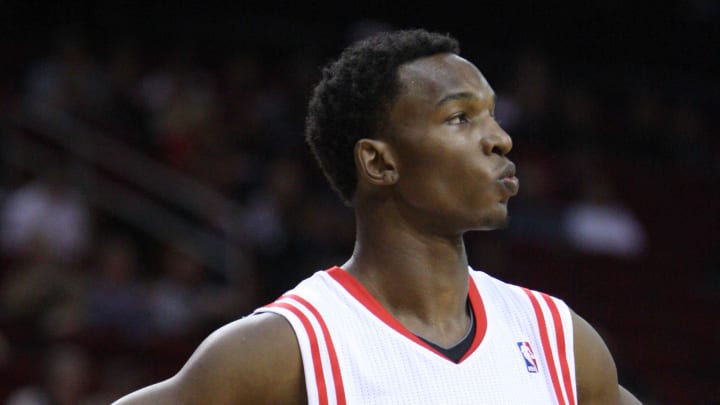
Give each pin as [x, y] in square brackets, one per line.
[154, 182]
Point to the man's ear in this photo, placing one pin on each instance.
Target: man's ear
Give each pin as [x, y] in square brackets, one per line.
[376, 162]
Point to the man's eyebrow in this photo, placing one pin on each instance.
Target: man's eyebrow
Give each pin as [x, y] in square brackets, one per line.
[463, 95]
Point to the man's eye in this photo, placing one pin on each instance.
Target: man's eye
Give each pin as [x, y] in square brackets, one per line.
[458, 119]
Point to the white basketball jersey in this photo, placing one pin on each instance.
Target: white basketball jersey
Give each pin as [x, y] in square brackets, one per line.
[355, 352]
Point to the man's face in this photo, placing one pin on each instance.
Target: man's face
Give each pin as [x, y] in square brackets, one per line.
[453, 173]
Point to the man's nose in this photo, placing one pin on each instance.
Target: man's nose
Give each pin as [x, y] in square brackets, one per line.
[497, 142]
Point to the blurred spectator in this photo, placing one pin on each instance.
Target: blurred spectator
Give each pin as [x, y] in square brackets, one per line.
[689, 139]
[67, 380]
[184, 299]
[43, 295]
[263, 225]
[525, 111]
[117, 377]
[644, 136]
[598, 223]
[579, 122]
[127, 118]
[117, 300]
[49, 212]
[69, 80]
[184, 119]
[241, 83]
[175, 297]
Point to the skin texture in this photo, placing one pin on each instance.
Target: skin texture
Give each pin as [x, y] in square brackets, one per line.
[439, 170]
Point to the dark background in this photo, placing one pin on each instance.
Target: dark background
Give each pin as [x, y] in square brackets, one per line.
[611, 106]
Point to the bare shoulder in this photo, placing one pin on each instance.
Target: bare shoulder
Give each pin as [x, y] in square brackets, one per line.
[595, 371]
[253, 360]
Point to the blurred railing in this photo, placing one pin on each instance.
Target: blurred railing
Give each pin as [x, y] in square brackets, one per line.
[163, 203]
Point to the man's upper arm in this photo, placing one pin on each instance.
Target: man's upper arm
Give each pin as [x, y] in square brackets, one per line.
[595, 371]
[252, 360]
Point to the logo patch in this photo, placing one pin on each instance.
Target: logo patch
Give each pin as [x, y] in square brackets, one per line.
[529, 356]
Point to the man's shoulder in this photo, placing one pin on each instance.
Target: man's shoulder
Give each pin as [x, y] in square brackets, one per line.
[252, 329]
[252, 360]
[242, 342]
[246, 355]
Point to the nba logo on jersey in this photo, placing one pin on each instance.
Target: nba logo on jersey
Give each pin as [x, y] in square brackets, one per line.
[529, 357]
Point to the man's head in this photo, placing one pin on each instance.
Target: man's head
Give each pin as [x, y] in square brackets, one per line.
[353, 99]
[402, 121]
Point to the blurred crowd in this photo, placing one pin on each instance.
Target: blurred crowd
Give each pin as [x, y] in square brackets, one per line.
[91, 308]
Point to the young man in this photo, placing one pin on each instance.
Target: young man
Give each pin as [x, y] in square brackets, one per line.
[403, 128]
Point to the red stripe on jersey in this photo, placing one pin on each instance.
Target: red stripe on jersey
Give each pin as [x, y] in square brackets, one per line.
[561, 347]
[478, 308]
[360, 293]
[546, 345]
[334, 364]
[314, 349]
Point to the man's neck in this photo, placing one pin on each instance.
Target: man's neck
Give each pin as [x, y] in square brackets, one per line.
[420, 278]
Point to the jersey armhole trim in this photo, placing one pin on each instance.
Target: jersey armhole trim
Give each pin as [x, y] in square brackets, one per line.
[326, 383]
[334, 363]
[566, 397]
[322, 395]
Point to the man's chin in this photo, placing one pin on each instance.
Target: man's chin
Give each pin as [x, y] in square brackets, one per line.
[491, 224]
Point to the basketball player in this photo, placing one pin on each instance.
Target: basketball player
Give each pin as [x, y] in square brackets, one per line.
[404, 130]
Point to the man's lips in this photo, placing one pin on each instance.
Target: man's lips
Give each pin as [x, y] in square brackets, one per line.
[512, 184]
[508, 171]
[509, 180]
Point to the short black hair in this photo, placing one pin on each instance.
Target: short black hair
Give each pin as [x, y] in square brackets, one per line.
[353, 98]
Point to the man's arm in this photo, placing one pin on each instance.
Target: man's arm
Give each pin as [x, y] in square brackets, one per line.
[595, 371]
[255, 360]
